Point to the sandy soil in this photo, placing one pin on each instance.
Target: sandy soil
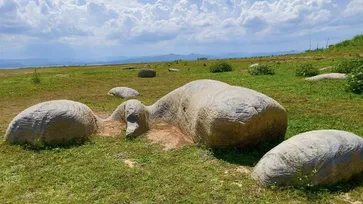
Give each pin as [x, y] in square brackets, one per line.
[111, 129]
[168, 136]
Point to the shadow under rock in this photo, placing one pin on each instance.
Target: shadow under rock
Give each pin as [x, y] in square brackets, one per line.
[68, 145]
[315, 193]
[247, 156]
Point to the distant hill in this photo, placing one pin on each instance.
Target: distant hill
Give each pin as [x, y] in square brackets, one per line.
[257, 54]
[41, 62]
[159, 58]
[352, 46]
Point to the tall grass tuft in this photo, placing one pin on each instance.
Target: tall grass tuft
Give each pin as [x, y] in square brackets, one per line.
[306, 70]
[348, 65]
[261, 70]
[221, 67]
[355, 80]
[36, 77]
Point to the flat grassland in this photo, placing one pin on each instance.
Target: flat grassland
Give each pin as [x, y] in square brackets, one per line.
[97, 172]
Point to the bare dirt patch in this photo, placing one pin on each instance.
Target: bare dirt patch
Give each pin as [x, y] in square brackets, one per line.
[109, 128]
[170, 137]
[348, 199]
[129, 163]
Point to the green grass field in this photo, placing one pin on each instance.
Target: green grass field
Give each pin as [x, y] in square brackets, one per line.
[96, 172]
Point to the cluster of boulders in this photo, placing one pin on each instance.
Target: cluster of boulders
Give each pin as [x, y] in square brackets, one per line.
[317, 77]
[212, 113]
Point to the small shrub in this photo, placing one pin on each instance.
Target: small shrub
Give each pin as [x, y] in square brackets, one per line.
[261, 70]
[221, 67]
[306, 70]
[36, 77]
[355, 80]
[346, 66]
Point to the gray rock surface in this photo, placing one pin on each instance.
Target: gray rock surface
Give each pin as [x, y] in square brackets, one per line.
[218, 115]
[135, 115]
[146, 73]
[327, 76]
[173, 70]
[316, 157]
[53, 123]
[254, 65]
[123, 92]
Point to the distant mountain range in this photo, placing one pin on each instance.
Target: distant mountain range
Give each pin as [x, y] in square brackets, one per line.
[43, 62]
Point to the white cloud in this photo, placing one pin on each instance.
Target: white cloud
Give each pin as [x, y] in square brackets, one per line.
[354, 7]
[171, 25]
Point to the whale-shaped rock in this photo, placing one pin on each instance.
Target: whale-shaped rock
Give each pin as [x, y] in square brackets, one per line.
[212, 113]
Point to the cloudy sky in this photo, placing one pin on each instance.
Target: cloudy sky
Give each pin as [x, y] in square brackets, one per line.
[100, 28]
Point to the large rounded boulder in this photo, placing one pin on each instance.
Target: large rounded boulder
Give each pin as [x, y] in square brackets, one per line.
[123, 92]
[312, 158]
[52, 123]
[219, 115]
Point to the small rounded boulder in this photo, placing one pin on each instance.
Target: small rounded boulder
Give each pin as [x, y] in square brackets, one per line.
[147, 73]
[312, 158]
[173, 70]
[123, 92]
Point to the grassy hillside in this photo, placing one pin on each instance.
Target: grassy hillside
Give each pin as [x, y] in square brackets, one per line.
[354, 43]
[350, 47]
[97, 173]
